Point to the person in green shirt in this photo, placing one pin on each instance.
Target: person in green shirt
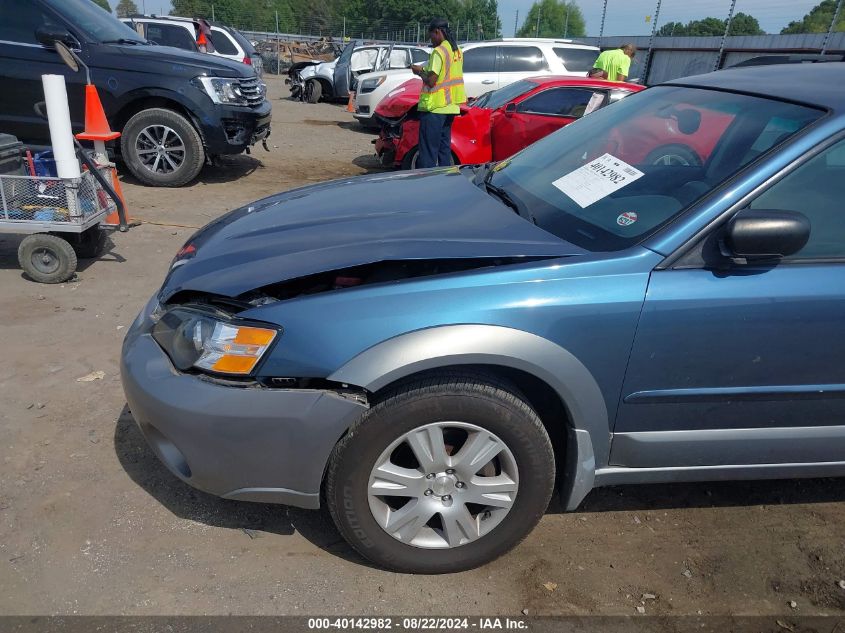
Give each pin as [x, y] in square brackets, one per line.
[614, 64]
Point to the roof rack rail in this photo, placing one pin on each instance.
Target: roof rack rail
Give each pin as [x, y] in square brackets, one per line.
[800, 58]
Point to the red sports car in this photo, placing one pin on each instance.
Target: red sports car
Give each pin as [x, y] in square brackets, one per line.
[500, 123]
[497, 124]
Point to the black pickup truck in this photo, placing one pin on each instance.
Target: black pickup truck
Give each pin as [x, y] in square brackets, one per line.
[176, 110]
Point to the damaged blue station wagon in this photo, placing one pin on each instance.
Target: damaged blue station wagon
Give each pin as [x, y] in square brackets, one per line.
[433, 354]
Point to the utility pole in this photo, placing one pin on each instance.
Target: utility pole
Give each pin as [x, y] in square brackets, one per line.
[601, 28]
[212, 13]
[832, 26]
[538, 21]
[344, 28]
[725, 35]
[566, 24]
[278, 53]
[516, 23]
[647, 60]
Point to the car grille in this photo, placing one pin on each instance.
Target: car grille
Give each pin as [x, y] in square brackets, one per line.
[253, 90]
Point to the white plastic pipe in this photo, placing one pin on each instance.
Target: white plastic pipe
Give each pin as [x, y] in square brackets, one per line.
[61, 134]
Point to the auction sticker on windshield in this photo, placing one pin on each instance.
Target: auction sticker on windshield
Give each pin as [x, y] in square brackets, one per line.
[597, 179]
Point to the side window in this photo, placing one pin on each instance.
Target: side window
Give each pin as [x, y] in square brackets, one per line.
[577, 59]
[567, 102]
[420, 56]
[480, 60]
[170, 35]
[20, 24]
[817, 190]
[523, 59]
[399, 58]
[223, 43]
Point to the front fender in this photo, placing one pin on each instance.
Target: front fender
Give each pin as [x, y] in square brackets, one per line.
[454, 345]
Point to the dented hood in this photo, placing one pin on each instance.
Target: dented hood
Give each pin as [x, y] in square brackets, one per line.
[437, 214]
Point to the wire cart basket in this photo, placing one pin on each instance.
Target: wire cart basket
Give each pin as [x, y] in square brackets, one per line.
[61, 218]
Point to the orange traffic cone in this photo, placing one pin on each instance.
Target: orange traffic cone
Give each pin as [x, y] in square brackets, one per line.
[350, 105]
[113, 219]
[96, 125]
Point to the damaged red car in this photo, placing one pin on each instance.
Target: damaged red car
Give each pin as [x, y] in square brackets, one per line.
[497, 124]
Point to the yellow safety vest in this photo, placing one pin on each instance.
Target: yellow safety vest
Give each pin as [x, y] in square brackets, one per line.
[449, 89]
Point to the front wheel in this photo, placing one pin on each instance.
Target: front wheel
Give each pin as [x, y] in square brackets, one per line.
[161, 148]
[409, 161]
[313, 91]
[48, 259]
[442, 475]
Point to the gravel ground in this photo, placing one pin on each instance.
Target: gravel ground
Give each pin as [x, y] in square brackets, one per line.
[91, 523]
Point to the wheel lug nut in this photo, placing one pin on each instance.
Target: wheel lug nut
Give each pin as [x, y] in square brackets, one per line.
[447, 498]
[430, 476]
[450, 471]
[460, 484]
[428, 493]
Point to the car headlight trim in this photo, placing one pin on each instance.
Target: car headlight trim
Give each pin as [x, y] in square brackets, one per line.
[193, 338]
[223, 90]
[368, 85]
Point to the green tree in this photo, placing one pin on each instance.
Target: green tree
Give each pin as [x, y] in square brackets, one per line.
[742, 24]
[103, 3]
[555, 18]
[125, 8]
[818, 20]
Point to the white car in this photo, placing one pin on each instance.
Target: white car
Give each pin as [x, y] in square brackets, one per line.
[334, 80]
[183, 32]
[487, 66]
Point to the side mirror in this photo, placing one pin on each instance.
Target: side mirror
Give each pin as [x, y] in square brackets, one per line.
[755, 234]
[510, 109]
[689, 121]
[49, 35]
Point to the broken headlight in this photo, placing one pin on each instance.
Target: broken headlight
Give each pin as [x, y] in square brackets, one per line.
[194, 338]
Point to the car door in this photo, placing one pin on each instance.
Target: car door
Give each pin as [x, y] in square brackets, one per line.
[342, 70]
[741, 363]
[536, 115]
[480, 70]
[520, 62]
[23, 59]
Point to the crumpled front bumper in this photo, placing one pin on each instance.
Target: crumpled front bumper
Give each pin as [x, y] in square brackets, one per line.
[248, 443]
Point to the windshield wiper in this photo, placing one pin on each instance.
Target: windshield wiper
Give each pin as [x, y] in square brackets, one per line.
[124, 40]
[506, 197]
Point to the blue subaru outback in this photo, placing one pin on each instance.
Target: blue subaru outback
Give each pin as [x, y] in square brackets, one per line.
[433, 354]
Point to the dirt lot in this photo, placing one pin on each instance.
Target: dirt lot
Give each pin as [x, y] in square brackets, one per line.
[91, 523]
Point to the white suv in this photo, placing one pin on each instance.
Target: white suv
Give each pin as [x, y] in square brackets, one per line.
[487, 66]
[183, 32]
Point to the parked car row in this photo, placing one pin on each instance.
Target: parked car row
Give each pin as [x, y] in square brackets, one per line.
[176, 109]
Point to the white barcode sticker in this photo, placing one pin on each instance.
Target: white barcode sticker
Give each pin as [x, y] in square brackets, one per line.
[597, 179]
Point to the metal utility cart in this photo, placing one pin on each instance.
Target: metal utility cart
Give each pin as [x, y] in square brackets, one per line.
[60, 217]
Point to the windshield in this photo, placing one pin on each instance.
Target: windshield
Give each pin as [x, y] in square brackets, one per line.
[611, 179]
[497, 98]
[94, 21]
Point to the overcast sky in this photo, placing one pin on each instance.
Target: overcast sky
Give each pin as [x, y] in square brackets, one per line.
[628, 17]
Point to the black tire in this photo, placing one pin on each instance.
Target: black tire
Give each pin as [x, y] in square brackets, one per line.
[313, 90]
[409, 161]
[673, 155]
[92, 243]
[47, 259]
[496, 407]
[144, 130]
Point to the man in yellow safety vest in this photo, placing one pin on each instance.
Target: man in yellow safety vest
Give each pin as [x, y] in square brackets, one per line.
[441, 96]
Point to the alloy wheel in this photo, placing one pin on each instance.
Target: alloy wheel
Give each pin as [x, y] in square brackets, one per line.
[443, 485]
[160, 149]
